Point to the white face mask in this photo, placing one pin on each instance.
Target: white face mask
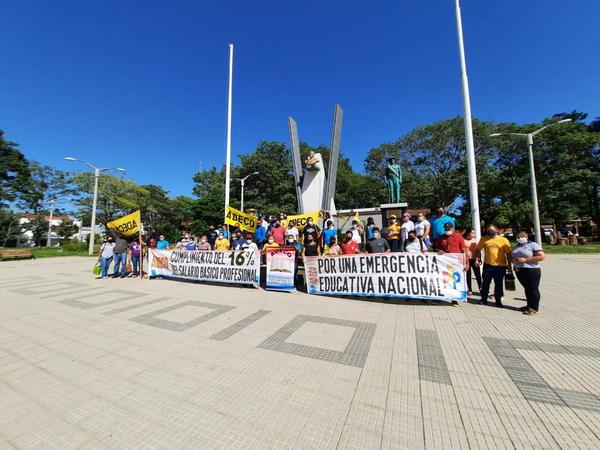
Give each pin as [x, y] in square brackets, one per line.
[249, 241]
[449, 233]
[204, 241]
[270, 241]
[420, 219]
[291, 240]
[522, 240]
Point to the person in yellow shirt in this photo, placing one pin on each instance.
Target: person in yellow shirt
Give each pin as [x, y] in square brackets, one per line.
[497, 261]
[270, 243]
[393, 236]
[221, 244]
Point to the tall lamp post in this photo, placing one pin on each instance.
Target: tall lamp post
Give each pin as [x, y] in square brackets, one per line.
[52, 202]
[243, 181]
[534, 196]
[97, 172]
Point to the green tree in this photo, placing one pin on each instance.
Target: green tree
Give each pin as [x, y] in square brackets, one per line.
[45, 183]
[9, 226]
[14, 171]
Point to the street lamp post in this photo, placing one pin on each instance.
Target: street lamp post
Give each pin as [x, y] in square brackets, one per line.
[534, 197]
[97, 172]
[243, 181]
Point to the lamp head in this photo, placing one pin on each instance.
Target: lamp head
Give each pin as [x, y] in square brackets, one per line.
[70, 158]
[495, 134]
[565, 120]
[120, 169]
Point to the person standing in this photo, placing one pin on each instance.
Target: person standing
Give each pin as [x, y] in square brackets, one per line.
[106, 256]
[120, 252]
[370, 226]
[497, 262]
[311, 247]
[212, 236]
[135, 253]
[278, 231]
[221, 244]
[350, 246]
[438, 223]
[162, 243]
[452, 242]
[357, 232]
[423, 228]
[471, 243]
[413, 244]
[311, 229]
[248, 243]
[238, 240]
[191, 245]
[260, 235]
[329, 232]
[407, 225]
[393, 236]
[333, 249]
[377, 244]
[526, 257]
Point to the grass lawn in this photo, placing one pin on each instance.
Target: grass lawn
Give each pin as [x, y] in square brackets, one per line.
[44, 252]
[587, 248]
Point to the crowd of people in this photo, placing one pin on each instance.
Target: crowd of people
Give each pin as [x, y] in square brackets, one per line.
[490, 259]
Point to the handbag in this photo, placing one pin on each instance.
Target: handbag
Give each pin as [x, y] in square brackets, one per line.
[509, 282]
[128, 267]
[96, 270]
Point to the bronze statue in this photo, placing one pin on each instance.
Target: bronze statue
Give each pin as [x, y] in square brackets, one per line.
[393, 179]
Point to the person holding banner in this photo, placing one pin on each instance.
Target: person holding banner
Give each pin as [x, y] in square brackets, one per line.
[270, 243]
[413, 243]
[248, 243]
[162, 243]
[333, 249]
[221, 244]
[350, 246]
[378, 244]
[311, 248]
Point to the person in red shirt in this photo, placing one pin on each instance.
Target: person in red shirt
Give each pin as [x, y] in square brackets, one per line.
[278, 232]
[349, 246]
[452, 242]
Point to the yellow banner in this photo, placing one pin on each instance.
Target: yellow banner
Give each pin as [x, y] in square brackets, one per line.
[240, 219]
[299, 221]
[127, 225]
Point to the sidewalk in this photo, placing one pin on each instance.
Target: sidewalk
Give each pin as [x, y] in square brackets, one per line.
[129, 363]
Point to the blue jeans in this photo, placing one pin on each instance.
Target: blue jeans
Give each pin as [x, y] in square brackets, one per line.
[490, 273]
[134, 264]
[105, 264]
[120, 262]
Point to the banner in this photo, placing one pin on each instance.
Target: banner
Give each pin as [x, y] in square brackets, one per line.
[241, 267]
[299, 220]
[240, 219]
[127, 225]
[281, 267]
[410, 275]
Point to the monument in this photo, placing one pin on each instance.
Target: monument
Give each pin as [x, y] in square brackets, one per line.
[393, 180]
[314, 190]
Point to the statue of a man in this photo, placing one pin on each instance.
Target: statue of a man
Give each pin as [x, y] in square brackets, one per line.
[393, 179]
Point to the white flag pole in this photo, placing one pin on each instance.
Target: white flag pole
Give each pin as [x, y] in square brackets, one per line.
[228, 157]
[473, 192]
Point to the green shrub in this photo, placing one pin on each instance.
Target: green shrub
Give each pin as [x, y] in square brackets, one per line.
[74, 246]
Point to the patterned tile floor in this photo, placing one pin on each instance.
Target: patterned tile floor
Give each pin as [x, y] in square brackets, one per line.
[129, 364]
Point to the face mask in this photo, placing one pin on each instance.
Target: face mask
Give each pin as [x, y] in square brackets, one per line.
[330, 227]
[492, 233]
[522, 240]
[270, 241]
[420, 219]
[204, 241]
[310, 224]
[393, 220]
[449, 233]
[375, 235]
[290, 240]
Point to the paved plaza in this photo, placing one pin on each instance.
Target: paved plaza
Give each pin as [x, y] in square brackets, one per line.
[92, 364]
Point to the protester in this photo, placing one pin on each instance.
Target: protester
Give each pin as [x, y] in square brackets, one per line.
[311, 229]
[423, 228]
[238, 240]
[106, 256]
[471, 244]
[452, 242]
[311, 247]
[248, 243]
[269, 244]
[222, 244]
[191, 245]
[226, 233]
[162, 243]
[413, 243]
[377, 244]
[438, 223]
[278, 231]
[185, 240]
[120, 254]
[152, 243]
[393, 236]
[349, 246]
[357, 232]
[294, 232]
[329, 232]
[260, 235]
[134, 253]
[333, 249]
[212, 236]
[407, 225]
[496, 263]
[526, 257]
[370, 226]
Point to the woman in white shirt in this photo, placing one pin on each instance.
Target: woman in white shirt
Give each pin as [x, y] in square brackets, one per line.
[107, 251]
[423, 227]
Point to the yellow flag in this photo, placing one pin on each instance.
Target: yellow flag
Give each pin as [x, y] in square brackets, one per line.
[240, 219]
[127, 225]
[299, 220]
[357, 218]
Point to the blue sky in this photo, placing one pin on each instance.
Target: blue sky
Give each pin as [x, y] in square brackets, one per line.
[143, 84]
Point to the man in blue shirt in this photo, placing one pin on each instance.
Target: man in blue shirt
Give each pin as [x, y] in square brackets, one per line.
[439, 222]
[260, 235]
[238, 241]
[162, 243]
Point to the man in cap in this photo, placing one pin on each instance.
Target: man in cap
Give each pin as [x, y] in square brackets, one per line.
[452, 242]
[393, 236]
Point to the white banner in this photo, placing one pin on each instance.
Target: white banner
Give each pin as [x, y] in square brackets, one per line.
[241, 267]
[281, 268]
[409, 275]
